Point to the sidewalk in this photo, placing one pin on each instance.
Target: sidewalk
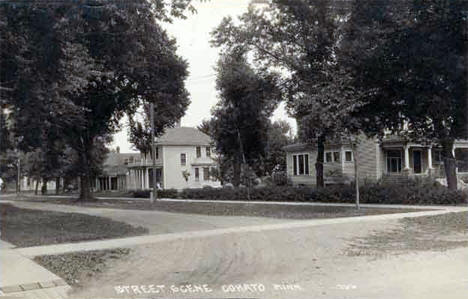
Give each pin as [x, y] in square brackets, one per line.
[21, 277]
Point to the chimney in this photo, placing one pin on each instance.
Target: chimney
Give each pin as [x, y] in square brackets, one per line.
[117, 149]
[178, 124]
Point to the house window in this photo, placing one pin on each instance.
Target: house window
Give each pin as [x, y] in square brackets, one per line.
[183, 159]
[295, 165]
[336, 156]
[206, 173]
[437, 156]
[213, 172]
[349, 156]
[394, 161]
[157, 153]
[197, 174]
[301, 164]
[198, 152]
[208, 151]
[332, 157]
[461, 155]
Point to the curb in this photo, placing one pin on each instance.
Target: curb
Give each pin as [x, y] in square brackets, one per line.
[32, 286]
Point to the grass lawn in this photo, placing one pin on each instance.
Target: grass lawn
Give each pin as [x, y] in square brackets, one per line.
[236, 209]
[27, 227]
[75, 267]
[440, 232]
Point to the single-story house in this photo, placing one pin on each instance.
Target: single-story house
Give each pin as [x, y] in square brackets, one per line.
[392, 158]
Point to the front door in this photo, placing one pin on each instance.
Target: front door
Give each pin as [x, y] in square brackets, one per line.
[417, 163]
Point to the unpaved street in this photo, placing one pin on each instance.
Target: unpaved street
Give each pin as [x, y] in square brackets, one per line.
[312, 262]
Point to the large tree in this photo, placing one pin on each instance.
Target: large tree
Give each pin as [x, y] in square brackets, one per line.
[411, 62]
[241, 118]
[65, 67]
[299, 38]
[279, 135]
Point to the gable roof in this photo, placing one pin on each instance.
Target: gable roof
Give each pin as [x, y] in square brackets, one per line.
[115, 163]
[184, 136]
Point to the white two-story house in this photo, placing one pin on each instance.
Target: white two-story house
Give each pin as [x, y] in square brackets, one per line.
[184, 159]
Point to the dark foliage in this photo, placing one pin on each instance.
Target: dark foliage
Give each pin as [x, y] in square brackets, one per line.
[411, 193]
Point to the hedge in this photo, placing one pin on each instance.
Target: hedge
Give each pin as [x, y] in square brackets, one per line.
[416, 194]
[167, 193]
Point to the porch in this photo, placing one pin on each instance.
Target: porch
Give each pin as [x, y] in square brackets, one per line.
[417, 160]
[141, 178]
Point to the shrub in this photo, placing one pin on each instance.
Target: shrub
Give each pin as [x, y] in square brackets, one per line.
[166, 193]
[411, 193]
[141, 194]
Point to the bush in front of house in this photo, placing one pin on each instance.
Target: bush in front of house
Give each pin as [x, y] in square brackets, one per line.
[411, 193]
[166, 193]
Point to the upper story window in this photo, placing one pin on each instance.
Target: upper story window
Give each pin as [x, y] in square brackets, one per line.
[183, 159]
[157, 153]
[208, 151]
[301, 164]
[198, 152]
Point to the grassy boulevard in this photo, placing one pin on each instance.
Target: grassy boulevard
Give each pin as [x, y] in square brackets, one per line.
[28, 227]
[232, 209]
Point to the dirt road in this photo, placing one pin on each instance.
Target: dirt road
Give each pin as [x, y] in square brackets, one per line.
[291, 263]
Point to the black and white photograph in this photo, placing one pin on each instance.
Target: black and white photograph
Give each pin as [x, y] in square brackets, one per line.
[234, 149]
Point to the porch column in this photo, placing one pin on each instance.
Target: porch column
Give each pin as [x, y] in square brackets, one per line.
[342, 158]
[109, 182]
[455, 158]
[142, 182]
[147, 178]
[429, 158]
[135, 178]
[406, 156]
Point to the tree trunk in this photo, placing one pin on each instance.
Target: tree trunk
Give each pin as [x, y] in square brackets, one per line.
[44, 187]
[356, 176]
[449, 164]
[85, 189]
[37, 187]
[85, 179]
[236, 167]
[319, 162]
[57, 185]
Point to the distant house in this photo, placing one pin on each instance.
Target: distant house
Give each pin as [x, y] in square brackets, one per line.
[393, 158]
[114, 174]
[184, 159]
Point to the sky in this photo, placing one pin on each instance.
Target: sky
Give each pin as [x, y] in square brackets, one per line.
[193, 36]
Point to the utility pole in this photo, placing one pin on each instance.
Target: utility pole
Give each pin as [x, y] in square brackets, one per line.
[244, 163]
[18, 187]
[153, 156]
[356, 172]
